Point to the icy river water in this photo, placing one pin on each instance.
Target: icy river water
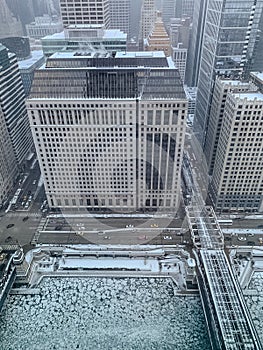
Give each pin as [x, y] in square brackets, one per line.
[103, 313]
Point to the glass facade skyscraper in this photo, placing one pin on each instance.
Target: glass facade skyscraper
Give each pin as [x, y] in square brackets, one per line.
[230, 44]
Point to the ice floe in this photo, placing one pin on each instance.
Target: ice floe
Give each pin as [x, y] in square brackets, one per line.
[103, 313]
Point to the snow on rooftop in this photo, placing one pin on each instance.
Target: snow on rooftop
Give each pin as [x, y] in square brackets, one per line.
[114, 33]
[250, 96]
[35, 57]
[258, 75]
[60, 35]
[140, 54]
[107, 34]
[109, 263]
[234, 82]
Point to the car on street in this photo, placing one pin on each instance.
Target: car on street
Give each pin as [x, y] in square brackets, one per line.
[25, 218]
[241, 238]
[10, 225]
[167, 237]
[142, 237]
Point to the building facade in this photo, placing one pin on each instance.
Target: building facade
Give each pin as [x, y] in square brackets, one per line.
[168, 9]
[179, 34]
[85, 12]
[110, 134]
[28, 67]
[8, 166]
[90, 38]
[120, 15]
[18, 45]
[148, 16]
[43, 26]
[10, 25]
[237, 181]
[159, 40]
[196, 43]
[221, 89]
[12, 102]
[231, 33]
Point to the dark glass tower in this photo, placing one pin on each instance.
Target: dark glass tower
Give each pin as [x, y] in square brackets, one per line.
[230, 47]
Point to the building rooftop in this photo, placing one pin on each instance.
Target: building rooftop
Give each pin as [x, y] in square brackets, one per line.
[258, 75]
[62, 55]
[114, 33]
[35, 57]
[234, 82]
[147, 75]
[143, 54]
[107, 34]
[249, 96]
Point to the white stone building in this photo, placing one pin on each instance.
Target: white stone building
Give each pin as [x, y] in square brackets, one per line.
[85, 12]
[109, 132]
[237, 180]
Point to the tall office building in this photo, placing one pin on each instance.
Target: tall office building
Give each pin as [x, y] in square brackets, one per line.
[237, 181]
[159, 40]
[22, 10]
[12, 104]
[20, 46]
[179, 34]
[188, 8]
[168, 11]
[8, 165]
[10, 25]
[109, 132]
[79, 12]
[229, 49]
[148, 16]
[221, 89]
[195, 43]
[177, 9]
[27, 69]
[120, 15]
[135, 18]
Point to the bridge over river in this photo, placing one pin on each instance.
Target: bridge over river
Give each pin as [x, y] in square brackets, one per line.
[229, 321]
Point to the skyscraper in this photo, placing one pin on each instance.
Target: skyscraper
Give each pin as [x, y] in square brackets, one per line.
[120, 15]
[159, 40]
[179, 34]
[231, 34]
[12, 104]
[195, 43]
[10, 25]
[8, 165]
[221, 89]
[168, 11]
[188, 8]
[148, 16]
[237, 181]
[109, 132]
[79, 12]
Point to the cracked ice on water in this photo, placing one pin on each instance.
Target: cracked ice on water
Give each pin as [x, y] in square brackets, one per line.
[103, 313]
[255, 302]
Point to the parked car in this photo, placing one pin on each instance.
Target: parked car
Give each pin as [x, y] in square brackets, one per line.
[10, 225]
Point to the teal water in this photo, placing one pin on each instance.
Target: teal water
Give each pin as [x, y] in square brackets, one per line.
[104, 313]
